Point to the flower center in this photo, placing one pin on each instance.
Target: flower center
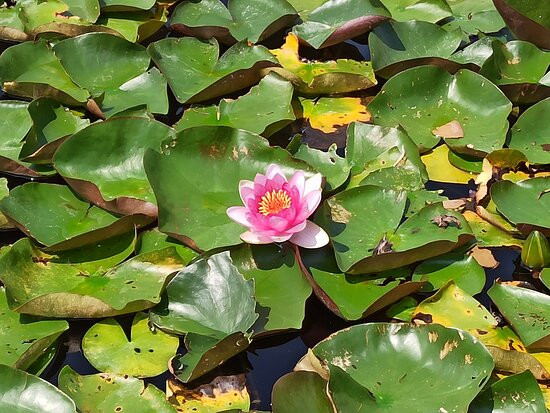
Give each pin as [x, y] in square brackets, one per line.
[274, 202]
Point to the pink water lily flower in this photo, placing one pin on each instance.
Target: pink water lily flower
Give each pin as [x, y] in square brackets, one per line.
[276, 209]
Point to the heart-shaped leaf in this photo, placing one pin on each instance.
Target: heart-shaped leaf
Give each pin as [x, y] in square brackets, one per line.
[146, 354]
[195, 72]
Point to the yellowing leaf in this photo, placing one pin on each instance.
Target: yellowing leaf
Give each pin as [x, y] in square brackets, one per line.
[327, 113]
[441, 170]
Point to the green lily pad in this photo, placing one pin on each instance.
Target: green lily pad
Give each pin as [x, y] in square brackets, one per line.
[527, 19]
[425, 100]
[146, 354]
[424, 10]
[55, 217]
[21, 392]
[51, 123]
[336, 21]
[489, 235]
[107, 393]
[149, 88]
[104, 163]
[269, 101]
[527, 311]
[31, 69]
[473, 16]
[316, 78]
[533, 208]
[516, 393]
[154, 240]
[384, 157]
[464, 270]
[531, 133]
[301, 390]
[24, 339]
[195, 72]
[395, 46]
[229, 155]
[333, 167]
[279, 286]
[251, 20]
[136, 25]
[373, 368]
[205, 353]
[209, 297]
[127, 4]
[357, 296]
[65, 287]
[364, 225]
[519, 69]
[465, 162]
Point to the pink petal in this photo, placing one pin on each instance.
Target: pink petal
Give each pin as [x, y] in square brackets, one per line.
[246, 189]
[298, 181]
[313, 184]
[274, 170]
[253, 238]
[313, 236]
[297, 228]
[260, 179]
[278, 223]
[312, 200]
[239, 215]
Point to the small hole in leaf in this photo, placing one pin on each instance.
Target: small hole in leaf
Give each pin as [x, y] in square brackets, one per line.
[137, 350]
[151, 350]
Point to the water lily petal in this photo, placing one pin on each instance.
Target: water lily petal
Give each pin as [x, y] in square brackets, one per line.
[297, 228]
[239, 215]
[313, 236]
[260, 179]
[313, 183]
[273, 170]
[253, 238]
[298, 181]
[313, 199]
[246, 190]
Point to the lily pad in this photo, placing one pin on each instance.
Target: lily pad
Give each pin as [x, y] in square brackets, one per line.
[333, 167]
[24, 339]
[315, 78]
[108, 392]
[269, 101]
[465, 272]
[519, 392]
[127, 4]
[65, 289]
[384, 157]
[336, 21]
[424, 99]
[251, 20]
[473, 16]
[425, 10]
[51, 123]
[104, 163]
[21, 392]
[527, 311]
[55, 217]
[371, 367]
[195, 72]
[531, 133]
[326, 114]
[535, 202]
[146, 354]
[489, 235]
[209, 297]
[31, 69]
[154, 240]
[192, 204]
[396, 46]
[135, 25]
[440, 169]
[301, 390]
[101, 61]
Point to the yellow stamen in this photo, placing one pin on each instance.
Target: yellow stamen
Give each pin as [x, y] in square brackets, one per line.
[274, 202]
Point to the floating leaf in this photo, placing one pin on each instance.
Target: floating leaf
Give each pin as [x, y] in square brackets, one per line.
[209, 297]
[24, 339]
[58, 286]
[315, 78]
[127, 4]
[21, 392]
[396, 46]
[55, 217]
[301, 390]
[527, 311]
[222, 394]
[326, 113]
[146, 354]
[198, 213]
[473, 16]
[104, 163]
[372, 366]
[154, 240]
[195, 73]
[425, 98]
[530, 134]
[107, 393]
[134, 26]
[465, 272]
[251, 20]
[269, 102]
[489, 235]
[440, 169]
[333, 167]
[425, 10]
[336, 21]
